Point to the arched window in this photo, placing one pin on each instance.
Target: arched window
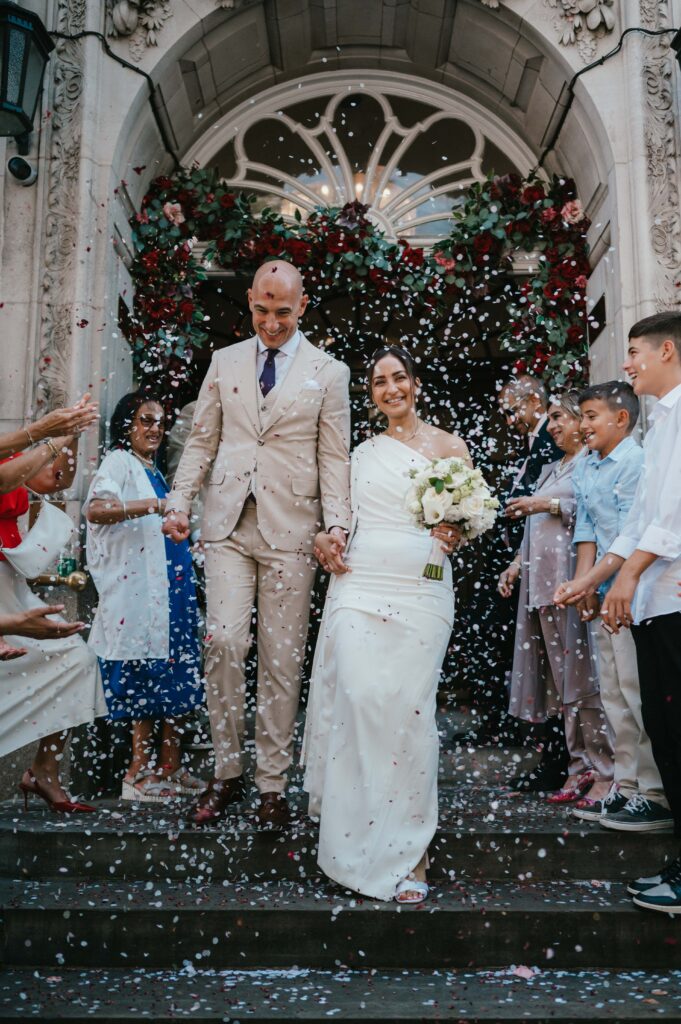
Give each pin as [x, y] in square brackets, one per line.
[406, 151]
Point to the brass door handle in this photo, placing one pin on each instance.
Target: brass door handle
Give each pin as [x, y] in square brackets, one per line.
[75, 580]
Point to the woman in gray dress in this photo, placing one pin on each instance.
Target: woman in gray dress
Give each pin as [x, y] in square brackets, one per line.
[553, 670]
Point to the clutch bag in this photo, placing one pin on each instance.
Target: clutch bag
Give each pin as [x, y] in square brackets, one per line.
[43, 543]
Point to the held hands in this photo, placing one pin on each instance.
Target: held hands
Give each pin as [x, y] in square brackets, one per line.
[507, 579]
[450, 536]
[176, 526]
[574, 591]
[589, 607]
[329, 549]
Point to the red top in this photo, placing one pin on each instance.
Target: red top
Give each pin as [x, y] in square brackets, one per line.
[12, 505]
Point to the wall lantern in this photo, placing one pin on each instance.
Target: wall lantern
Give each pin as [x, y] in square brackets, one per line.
[24, 51]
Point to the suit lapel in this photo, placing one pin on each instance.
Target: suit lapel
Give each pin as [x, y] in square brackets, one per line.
[303, 366]
[245, 381]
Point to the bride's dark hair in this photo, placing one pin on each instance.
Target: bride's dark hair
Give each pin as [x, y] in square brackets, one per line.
[399, 353]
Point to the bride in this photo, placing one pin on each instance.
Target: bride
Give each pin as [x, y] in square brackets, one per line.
[371, 744]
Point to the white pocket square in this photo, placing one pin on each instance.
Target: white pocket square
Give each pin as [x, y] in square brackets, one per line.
[312, 385]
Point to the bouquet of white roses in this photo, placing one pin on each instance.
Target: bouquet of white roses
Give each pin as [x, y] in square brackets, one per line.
[449, 491]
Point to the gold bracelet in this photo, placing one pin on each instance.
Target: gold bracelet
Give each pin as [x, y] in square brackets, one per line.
[53, 449]
[28, 435]
[554, 506]
[125, 511]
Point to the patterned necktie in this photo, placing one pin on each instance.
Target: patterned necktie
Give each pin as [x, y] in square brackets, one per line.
[268, 377]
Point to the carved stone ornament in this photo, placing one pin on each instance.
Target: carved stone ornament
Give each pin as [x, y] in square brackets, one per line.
[583, 23]
[61, 210]
[661, 152]
[142, 20]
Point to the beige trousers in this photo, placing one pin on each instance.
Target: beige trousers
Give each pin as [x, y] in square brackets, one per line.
[239, 570]
[635, 768]
[587, 733]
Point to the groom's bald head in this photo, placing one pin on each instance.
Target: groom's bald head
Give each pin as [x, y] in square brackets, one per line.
[277, 301]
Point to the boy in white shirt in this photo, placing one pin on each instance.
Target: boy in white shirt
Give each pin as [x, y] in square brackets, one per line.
[647, 559]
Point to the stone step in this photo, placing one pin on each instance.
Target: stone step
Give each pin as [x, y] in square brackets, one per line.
[565, 925]
[483, 835]
[117, 996]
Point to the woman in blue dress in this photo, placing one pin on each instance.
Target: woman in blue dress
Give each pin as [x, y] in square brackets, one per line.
[145, 630]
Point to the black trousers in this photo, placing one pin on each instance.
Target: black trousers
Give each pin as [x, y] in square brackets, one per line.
[658, 655]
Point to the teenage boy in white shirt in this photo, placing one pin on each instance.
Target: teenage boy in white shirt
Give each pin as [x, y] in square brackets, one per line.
[605, 484]
[647, 559]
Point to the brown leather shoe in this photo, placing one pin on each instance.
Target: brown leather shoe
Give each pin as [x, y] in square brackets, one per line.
[216, 798]
[273, 811]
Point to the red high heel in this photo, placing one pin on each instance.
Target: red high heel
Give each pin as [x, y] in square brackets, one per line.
[59, 806]
[568, 796]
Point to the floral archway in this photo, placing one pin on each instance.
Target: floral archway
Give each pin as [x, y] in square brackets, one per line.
[340, 251]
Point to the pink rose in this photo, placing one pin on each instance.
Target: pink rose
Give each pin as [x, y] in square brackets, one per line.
[173, 213]
[572, 212]
[445, 262]
[581, 282]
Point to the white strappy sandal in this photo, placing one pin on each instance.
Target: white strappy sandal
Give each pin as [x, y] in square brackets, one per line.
[155, 792]
[418, 891]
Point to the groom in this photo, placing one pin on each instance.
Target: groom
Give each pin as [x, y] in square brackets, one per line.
[269, 439]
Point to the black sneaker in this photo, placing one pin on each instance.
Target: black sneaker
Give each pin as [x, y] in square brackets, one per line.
[665, 897]
[639, 815]
[643, 885]
[594, 810]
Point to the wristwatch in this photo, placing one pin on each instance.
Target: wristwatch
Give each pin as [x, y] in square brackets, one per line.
[554, 506]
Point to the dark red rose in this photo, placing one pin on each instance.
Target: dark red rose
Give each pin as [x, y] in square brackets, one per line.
[522, 227]
[508, 184]
[337, 241]
[149, 260]
[549, 215]
[532, 194]
[227, 201]
[381, 283]
[298, 250]
[483, 244]
[575, 334]
[412, 257]
[163, 183]
[158, 309]
[186, 310]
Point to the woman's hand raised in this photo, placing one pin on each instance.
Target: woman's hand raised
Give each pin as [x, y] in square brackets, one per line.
[60, 422]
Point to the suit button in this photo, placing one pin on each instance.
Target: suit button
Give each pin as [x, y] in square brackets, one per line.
[261, 443]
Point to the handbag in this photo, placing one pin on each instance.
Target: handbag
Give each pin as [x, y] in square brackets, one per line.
[43, 543]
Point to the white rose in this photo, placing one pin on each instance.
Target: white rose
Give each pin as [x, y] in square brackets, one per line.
[458, 479]
[472, 505]
[435, 506]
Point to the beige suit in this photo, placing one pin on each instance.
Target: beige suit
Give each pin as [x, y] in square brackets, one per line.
[290, 450]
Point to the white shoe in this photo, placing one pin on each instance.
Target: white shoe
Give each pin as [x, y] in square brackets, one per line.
[411, 890]
[154, 792]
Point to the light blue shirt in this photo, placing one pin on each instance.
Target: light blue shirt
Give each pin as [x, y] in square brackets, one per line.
[605, 490]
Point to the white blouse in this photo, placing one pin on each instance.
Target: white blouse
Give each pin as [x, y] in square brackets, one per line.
[127, 562]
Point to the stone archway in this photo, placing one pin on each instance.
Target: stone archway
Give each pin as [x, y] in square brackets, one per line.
[497, 71]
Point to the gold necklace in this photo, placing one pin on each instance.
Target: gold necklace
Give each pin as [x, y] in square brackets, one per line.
[419, 424]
